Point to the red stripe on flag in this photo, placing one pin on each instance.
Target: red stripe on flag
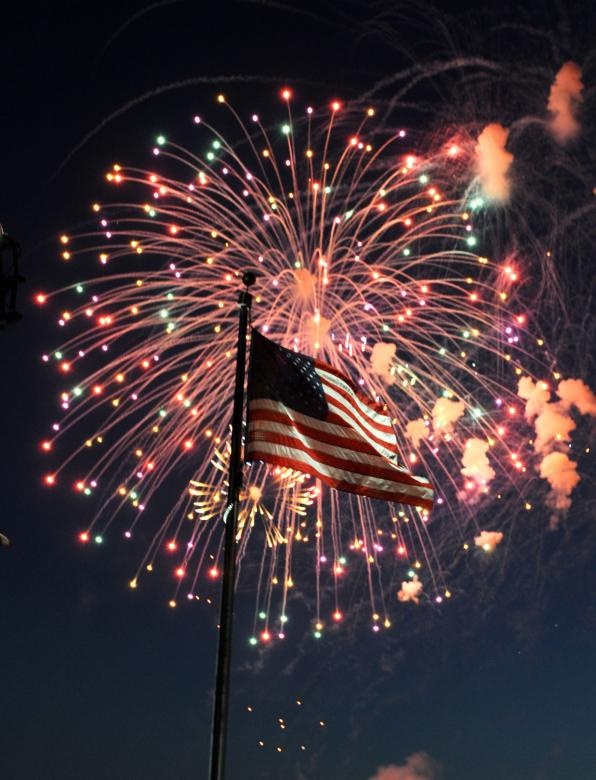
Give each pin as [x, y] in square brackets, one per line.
[380, 408]
[343, 457]
[315, 430]
[381, 422]
[359, 488]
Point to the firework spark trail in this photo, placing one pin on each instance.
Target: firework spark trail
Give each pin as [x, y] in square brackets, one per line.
[359, 243]
[130, 21]
[234, 78]
[545, 101]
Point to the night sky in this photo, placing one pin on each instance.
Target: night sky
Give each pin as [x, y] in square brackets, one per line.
[102, 682]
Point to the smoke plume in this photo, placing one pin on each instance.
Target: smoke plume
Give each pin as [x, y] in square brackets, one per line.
[573, 392]
[553, 425]
[561, 473]
[536, 395]
[563, 102]
[410, 590]
[488, 540]
[476, 466]
[416, 430]
[419, 766]
[493, 162]
[445, 414]
[381, 358]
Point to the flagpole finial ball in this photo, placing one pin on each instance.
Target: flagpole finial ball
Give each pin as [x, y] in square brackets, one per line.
[249, 278]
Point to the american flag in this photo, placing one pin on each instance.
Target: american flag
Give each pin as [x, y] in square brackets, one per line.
[306, 415]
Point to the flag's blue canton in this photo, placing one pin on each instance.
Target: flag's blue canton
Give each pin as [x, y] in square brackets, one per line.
[285, 376]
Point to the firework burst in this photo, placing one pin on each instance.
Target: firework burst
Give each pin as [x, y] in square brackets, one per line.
[368, 259]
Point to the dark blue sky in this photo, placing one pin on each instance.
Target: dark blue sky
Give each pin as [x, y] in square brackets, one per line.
[99, 682]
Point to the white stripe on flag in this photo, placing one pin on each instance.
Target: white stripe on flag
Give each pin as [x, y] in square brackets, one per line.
[349, 431]
[342, 462]
[366, 408]
[391, 487]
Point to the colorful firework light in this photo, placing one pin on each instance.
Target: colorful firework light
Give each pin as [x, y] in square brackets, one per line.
[366, 258]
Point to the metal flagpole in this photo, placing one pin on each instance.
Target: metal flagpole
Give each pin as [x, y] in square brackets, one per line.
[224, 649]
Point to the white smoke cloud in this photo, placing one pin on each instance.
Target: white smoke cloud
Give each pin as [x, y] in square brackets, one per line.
[563, 102]
[488, 540]
[536, 395]
[419, 766]
[381, 359]
[553, 426]
[552, 422]
[475, 462]
[561, 473]
[493, 162]
[410, 590]
[573, 392]
[445, 414]
[416, 430]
